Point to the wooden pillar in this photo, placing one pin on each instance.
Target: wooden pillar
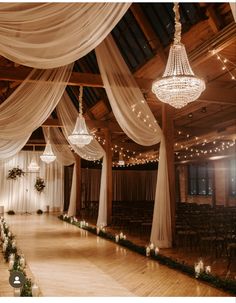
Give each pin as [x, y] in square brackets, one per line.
[109, 174]
[78, 184]
[168, 131]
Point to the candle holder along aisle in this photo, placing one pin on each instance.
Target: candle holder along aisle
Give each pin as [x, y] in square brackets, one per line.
[16, 262]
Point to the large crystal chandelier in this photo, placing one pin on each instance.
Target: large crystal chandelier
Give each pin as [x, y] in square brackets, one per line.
[33, 166]
[178, 85]
[80, 135]
[48, 155]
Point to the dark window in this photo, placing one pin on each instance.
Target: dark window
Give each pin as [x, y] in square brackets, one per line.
[232, 180]
[200, 179]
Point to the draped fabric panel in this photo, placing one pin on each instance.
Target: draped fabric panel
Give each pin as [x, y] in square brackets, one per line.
[49, 35]
[8, 148]
[65, 157]
[20, 194]
[46, 35]
[137, 121]
[67, 114]
[29, 106]
[128, 185]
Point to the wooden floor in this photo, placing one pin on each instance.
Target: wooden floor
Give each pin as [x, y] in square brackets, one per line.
[68, 261]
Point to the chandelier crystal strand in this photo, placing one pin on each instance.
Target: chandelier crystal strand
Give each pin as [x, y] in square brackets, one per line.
[80, 135]
[48, 155]
[178, 85]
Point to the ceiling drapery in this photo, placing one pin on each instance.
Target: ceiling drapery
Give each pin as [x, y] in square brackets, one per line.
[137, 121]
[45, 36]
[67, 114]
[65, 157]
[49, 35]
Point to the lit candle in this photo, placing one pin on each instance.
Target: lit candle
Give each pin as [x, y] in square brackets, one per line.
[35, 290]
[197, 270]
[117, 238]
[86, 224]
[124, 237]
[121, 235]
[16, 292]
[12, 257]
[4, 247]
[22, 262]
[103, 229]
[11, 264]
[151, 246]
[148, 251]
[156, 251]
[208, 269]
[201, 265]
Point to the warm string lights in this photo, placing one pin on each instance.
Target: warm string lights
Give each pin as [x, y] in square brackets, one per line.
[227, 65]
[133, 157]
[152, 124]
[187, 153]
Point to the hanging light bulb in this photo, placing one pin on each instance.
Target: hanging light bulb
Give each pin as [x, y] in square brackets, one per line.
[48, 155]
[80, 135]
[178, 85]
[33, 166]
[121, 162]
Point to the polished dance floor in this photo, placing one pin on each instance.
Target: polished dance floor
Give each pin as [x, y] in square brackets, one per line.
[67, 261]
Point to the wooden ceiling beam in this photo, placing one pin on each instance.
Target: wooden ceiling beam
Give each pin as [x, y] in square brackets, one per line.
[113, 126]
[148, 31]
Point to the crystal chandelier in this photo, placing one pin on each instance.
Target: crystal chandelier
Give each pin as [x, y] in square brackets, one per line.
[48, 155]
[80, 135]
[178, 85]
[33, 166]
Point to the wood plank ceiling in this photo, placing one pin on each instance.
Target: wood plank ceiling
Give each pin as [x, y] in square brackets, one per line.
[143, 36]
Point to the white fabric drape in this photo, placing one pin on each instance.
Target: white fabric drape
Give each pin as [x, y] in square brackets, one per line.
[64, 156]
[20, 194]
[29, 106]
[93, 151]
[137, 121]
[9, 148]
[49, 35]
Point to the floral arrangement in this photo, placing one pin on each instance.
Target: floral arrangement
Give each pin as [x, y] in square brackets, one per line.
[225, 284]
[39, 184]
[16, 261]
[15, 172]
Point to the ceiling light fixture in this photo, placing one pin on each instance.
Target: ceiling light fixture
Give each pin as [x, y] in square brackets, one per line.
[48, 155]
[178, 85]
[33, 166]
[80, 135]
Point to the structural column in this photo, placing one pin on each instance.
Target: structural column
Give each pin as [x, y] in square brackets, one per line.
[109, 174]
[168, 131]
[78, 184]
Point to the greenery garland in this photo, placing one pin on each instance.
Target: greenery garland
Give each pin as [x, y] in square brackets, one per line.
[26, 290]
[227, 285]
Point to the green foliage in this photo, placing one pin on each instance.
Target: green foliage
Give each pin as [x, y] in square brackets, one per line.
[39, 184]
[27, 289]
[15, 172]
[9, 250]
[225, 284]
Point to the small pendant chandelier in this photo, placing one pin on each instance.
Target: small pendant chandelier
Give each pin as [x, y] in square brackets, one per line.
[48, 155]
[178, 85]
[33, 166]
[80, 135]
